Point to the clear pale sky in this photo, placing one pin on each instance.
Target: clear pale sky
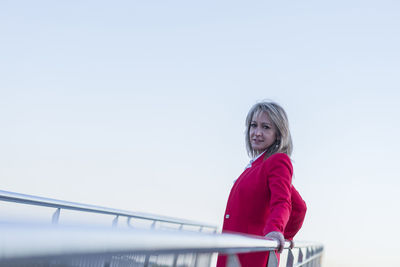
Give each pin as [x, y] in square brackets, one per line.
[140, 105]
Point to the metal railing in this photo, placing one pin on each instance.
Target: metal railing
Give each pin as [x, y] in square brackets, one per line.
[60, 204]
[48, 245]
[23, 244]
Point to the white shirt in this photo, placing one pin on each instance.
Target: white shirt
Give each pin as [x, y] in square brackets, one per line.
[251, 162]
[253, 159]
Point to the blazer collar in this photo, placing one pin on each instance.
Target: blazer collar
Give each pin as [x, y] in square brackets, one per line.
[255, 160]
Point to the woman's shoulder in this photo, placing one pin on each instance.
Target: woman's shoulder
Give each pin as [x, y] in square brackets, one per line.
[279, 159]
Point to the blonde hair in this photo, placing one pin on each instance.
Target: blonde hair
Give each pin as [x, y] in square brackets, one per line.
[283, 142]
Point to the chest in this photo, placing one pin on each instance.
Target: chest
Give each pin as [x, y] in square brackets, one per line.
[251, 186]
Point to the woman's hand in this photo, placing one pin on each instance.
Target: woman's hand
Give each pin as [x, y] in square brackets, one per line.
[278, 236]
[291, 243]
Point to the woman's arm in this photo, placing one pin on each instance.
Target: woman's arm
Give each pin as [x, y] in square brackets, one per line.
[297, 215]
[279, 177]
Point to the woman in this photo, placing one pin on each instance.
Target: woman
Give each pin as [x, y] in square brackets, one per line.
[263, 200]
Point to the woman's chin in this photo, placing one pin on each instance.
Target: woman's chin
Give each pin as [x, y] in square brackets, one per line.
[258, 148]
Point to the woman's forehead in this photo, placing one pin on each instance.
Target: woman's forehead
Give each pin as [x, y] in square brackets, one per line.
[261, 115]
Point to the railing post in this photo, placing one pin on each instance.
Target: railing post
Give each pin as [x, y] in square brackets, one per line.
[300, 257]
[115, 221]
[175, 260]
[290, 259]
[56, 216]
[196, 260]
[177, 255]
[128, 222]
[272, 259]
[146, 260]
[232, 261]
[312, 254]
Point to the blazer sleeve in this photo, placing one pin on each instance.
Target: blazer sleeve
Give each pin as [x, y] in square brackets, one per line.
[297, 215]
[279, 180]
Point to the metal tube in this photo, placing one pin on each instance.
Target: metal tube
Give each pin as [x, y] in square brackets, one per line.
[54, 203]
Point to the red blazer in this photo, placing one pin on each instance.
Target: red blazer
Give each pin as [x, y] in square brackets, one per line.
[263, 200]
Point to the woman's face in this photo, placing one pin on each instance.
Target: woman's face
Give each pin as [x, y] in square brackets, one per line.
[262, 132]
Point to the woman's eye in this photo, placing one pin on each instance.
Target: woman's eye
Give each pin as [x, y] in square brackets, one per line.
[253, 125]
[266, 127]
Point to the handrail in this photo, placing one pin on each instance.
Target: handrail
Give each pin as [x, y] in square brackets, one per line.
[52, 242]
[16, 241]
[61, 204]
[63, 244]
